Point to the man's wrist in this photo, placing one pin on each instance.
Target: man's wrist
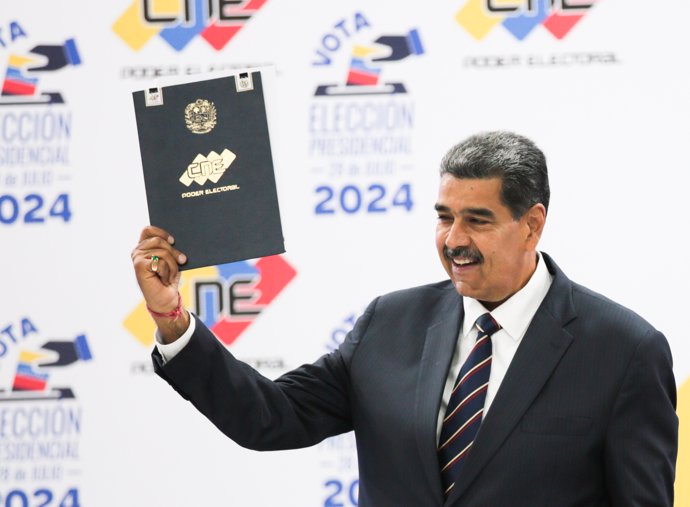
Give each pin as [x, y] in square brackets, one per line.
[170, 350]
[172, 314]
[170, 329]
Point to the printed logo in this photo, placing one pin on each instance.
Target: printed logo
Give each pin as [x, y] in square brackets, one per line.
[361, 131]
[21, 83]
[520, 17]
[34, 365]
[367, 60]
[227, 298]
[34, 141]
[207, 168]
[200, 116]
[178, 23]
[39, 455]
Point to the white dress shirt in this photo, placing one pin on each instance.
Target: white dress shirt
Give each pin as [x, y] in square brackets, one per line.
[514, 316]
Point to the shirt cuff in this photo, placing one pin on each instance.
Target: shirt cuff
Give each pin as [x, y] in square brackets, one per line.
[170, 350]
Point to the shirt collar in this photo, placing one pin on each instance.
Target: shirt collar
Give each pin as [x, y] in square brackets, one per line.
[515, 314]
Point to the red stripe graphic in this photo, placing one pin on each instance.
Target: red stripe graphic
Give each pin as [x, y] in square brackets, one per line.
[17, 88]
[22, 383]
[559, 25]
[361, 78]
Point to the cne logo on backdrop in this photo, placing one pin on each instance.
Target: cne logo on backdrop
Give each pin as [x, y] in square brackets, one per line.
[521, 17]
[177, 24]
[226, 298]
[35, 127]
[41, 418]
[361, 119]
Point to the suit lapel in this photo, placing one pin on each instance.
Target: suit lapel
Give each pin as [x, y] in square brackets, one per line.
[439, 346]
[541, 349]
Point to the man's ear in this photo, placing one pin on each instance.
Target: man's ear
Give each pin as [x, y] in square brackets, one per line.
[535, 219]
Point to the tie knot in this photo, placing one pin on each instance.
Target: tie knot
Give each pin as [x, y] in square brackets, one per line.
[487, 325]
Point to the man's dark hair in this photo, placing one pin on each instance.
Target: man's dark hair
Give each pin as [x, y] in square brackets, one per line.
[511, 157]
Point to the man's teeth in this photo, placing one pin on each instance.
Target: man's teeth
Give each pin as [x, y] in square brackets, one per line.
[462, 262]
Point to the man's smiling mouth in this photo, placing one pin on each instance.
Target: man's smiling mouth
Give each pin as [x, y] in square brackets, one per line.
[463, 257]
[463, 261]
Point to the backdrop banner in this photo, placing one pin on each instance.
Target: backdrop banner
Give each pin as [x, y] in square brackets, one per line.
[363, 99]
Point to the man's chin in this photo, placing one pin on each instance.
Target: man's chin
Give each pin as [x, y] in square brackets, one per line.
[489, 303]
[464, 289]
[467, 291]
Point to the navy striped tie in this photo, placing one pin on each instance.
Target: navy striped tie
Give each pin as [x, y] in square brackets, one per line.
[466, 405]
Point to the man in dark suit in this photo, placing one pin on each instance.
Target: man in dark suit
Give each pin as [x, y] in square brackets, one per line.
[507, 385]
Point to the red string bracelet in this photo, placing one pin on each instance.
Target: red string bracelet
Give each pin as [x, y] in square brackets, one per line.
[171, 315]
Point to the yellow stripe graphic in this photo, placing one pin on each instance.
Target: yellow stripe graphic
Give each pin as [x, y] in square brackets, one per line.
[133, 29]
[476, 19]
[683, 464]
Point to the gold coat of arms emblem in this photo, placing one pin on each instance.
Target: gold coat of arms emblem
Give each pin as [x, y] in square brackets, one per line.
[200, 116]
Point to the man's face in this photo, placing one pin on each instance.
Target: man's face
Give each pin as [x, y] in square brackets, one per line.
[488, 254]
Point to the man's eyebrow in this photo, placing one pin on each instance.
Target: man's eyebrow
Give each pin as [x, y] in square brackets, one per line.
[482, 212]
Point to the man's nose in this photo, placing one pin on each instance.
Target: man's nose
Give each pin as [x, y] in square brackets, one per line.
[457, 236]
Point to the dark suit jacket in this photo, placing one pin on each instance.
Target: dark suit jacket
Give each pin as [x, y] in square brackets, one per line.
[585, 415]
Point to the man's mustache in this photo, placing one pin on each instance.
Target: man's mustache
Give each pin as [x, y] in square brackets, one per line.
[463, 252]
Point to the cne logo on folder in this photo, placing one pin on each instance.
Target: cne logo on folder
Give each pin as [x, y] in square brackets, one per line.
[211, 167]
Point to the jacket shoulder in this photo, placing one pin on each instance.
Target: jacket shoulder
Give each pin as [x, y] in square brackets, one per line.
[609, 315]
[428, 294]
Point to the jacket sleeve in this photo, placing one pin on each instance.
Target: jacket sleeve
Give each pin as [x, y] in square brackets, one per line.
[299, 409]
[642, 437]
